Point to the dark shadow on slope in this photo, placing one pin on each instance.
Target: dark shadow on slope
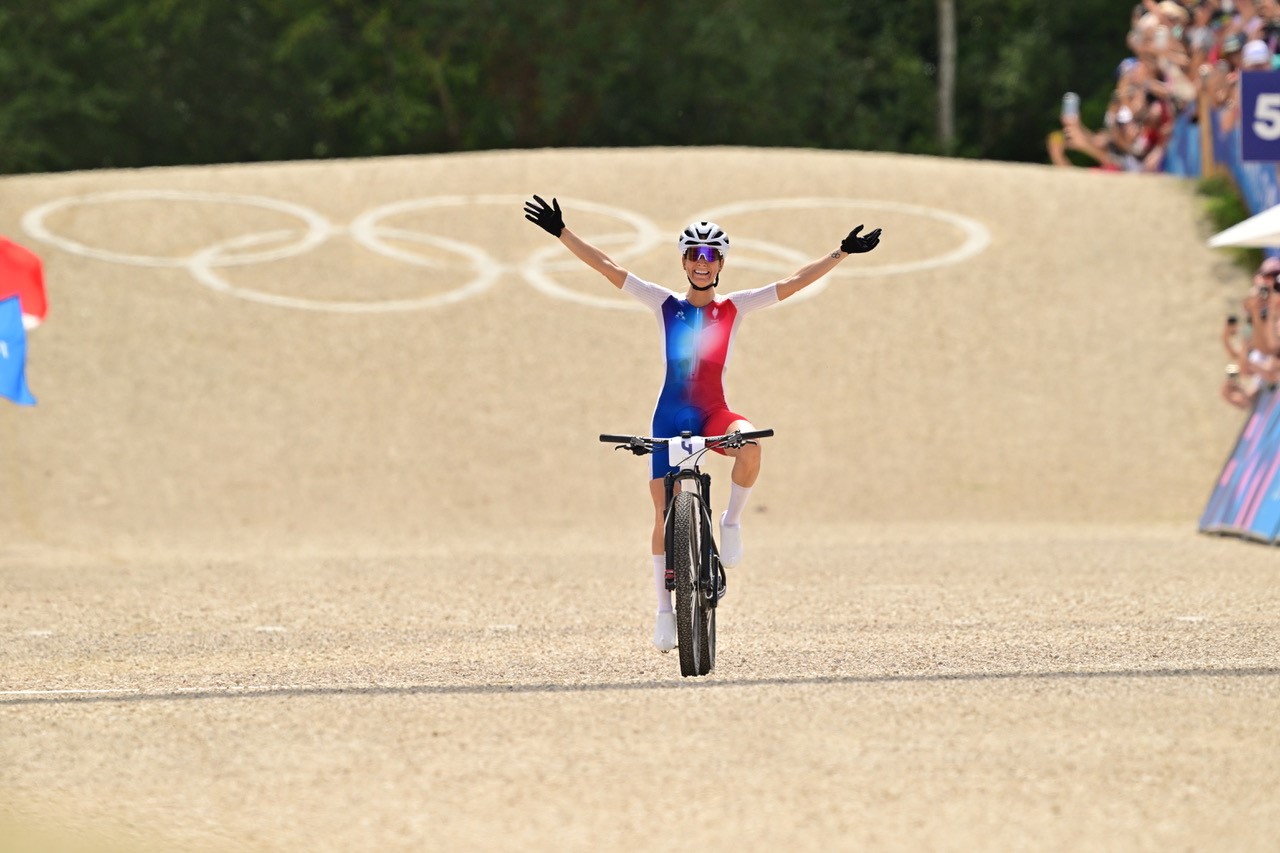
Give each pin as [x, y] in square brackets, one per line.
[711, 683]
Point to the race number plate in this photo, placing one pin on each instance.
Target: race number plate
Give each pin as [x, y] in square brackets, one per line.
[683, 452]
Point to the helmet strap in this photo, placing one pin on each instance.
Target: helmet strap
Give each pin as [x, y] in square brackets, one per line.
[705, 287]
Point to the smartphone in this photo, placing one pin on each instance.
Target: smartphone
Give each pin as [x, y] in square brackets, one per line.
[1232, 320]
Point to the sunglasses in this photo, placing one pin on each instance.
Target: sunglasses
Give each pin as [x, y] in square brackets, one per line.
[702, 253]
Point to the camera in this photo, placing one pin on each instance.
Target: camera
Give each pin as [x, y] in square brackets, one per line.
[1232, 319]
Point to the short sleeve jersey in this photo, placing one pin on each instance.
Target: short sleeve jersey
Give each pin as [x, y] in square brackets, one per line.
[697, 343]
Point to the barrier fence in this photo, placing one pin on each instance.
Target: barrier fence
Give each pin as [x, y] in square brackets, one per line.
[1200, 147]
[1245, 500]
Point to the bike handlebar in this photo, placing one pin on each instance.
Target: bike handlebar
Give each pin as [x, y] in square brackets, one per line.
[712, 440]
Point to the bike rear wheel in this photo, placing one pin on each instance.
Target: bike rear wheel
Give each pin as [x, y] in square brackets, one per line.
[695, 621]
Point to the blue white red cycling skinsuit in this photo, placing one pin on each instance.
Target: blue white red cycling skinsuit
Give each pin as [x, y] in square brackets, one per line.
[697, 343]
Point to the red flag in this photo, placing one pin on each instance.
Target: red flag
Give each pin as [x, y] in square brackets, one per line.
[22, 275]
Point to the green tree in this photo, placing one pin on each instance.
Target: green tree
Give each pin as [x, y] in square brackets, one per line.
[92, 83]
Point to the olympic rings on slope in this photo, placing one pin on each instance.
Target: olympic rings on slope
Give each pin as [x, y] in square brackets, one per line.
[203, 265]
[977, 237]
[369, 231]
[317, 226]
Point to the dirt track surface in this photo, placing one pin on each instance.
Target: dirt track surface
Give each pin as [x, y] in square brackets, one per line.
[277, 578]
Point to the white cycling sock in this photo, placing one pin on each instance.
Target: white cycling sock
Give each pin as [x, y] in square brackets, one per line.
[660, 583]
[737, 503]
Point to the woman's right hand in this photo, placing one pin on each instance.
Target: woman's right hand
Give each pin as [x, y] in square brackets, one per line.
[547, 217]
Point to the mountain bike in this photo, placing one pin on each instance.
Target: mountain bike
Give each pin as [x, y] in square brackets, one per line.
[694, 571]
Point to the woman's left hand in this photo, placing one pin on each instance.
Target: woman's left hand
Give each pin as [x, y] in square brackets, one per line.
[855, 245]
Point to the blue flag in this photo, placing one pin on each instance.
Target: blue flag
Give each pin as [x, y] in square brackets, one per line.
[13, 353]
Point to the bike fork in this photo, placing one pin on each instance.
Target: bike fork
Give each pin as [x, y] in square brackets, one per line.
[668, 531]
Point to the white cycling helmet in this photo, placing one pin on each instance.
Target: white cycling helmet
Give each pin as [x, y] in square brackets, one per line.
[704, 233]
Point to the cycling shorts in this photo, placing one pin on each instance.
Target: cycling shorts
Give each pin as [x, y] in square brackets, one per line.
[670, 423]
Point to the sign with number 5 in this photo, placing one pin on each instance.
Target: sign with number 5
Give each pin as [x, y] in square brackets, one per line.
[1260, 116]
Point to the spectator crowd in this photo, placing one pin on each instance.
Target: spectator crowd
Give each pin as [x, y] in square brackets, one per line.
[1186, 59]
[1254, 347]
[1182, 52]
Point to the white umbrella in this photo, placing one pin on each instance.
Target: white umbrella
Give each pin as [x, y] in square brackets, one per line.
[1261, 231]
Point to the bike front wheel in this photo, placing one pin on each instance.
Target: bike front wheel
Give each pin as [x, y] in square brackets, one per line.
[695, 621]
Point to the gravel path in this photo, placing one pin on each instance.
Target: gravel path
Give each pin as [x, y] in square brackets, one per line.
[281, 579]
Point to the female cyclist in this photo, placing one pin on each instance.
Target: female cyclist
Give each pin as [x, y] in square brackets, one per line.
[698, 330]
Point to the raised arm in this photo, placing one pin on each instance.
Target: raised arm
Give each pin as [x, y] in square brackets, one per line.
[1229, 342]
[550, 219]
[1256, 307]
[809, 273]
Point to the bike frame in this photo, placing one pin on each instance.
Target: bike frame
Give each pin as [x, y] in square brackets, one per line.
[688, 472]
[688, 448]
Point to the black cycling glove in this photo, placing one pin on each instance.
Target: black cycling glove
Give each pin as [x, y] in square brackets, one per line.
[548, 218]
[855, 245]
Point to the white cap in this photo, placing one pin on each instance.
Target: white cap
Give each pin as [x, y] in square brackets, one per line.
[1256, 52]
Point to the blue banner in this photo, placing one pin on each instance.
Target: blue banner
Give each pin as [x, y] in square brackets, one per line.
[1261, 516]
[13, 353]
[1223, 154]
[1228, 492]
[1246, 499]
[1259, 185]
[1183, 155]
[1260, 116]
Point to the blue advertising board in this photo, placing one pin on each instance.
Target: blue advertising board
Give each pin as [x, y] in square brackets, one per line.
[1260, 116]
[1246, 498]
[1228, 495]
[1262, 514]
